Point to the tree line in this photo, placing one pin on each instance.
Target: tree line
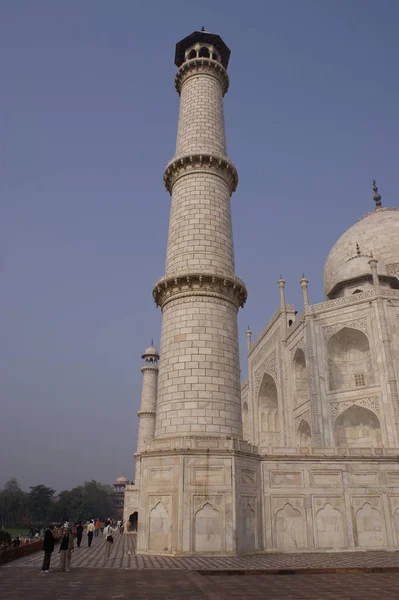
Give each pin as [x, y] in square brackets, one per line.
[41, 505]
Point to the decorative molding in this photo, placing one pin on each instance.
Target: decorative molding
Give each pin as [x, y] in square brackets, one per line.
[372, 403]
[231, 289]
[268, 366]
[202, 66]
[305, 416]
[329, 304]
[146, 413]
[200, 163]
[330, 330]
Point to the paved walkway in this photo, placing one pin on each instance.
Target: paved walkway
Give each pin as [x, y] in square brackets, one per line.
[123, 557]
[126, 576]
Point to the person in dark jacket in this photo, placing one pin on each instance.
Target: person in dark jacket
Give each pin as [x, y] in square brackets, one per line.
[48, 547]
[79, 533]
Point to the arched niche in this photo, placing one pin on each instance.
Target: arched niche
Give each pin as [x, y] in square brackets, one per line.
[330, 527]
[208, 529]
[290, 528]
[369, 527]
[133, 520]
[357, 427]
[301, 378]
[268, 408]
[160, 529]
[349, 360]
[245, 423]
[304, 434]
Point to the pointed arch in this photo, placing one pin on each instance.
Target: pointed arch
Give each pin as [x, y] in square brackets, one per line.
[301, 377]
[349, 360]
[269, 415]
[159, 529]
[245, 422]
[357, 427]
[208, 529]
[330, 527]
[304, 434]
[369, 527]
[290, 528]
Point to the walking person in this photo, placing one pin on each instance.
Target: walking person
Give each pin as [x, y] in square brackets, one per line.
[48, 547]
[109, 539]
[97, 527]
[90, 532]
[66, 549]
[79, 533]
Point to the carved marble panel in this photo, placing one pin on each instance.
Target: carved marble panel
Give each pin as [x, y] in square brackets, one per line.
[326, 479]
[248, 477]
[160, 529]
[363, 479]
[208, 524]
[286, 479]
[249, 523]
[208, 475]
[330, 330]
[372, 403]
[329, 521]
[269, 365]
[368, 522]
[392, 478]
[157, 475]
[289, 530]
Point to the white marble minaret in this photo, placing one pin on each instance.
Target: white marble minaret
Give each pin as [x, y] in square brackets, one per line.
[189, 486]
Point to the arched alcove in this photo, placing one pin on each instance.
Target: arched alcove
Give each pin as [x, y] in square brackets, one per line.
[304, 435]
[268, 408]
[290, 528]
[159, 529]
[301, 378]
[204, 52]
[245, 424]
[349, 360]
[133, 520]
[208, 529]
[357, 427]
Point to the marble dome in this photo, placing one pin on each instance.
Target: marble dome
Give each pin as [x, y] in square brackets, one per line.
[376, 232]
[151, 351]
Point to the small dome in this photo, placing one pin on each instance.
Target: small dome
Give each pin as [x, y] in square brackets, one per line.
[151, 351]
[376, 232]
[122, 479]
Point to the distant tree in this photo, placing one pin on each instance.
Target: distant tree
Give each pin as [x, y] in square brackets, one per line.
[87, 501]
[40, 503]
[12, 503]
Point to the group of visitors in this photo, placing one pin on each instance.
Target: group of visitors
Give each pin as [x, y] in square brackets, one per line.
[66, 547]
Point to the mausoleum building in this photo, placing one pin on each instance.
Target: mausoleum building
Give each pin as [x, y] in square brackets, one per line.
[303, 455]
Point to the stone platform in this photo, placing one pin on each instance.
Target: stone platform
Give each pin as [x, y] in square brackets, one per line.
[332, 576]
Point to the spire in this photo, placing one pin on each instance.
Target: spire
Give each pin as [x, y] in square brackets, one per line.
[304, 285]
[358, 253]
[202, 28]
[376, 196]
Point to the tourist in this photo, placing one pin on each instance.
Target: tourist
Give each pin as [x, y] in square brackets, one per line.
[66, 549]
[90, 532]
[97, 527]
[79, 533]
[48, 547]
[16, 542]
[109, 539]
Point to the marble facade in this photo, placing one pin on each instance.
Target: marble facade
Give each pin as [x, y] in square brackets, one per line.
[304, 456]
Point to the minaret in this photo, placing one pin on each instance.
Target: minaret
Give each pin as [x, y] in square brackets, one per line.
[148, 404]
[199, 375]
[191, 498]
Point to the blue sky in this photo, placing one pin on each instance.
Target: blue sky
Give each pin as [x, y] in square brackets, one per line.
[88, 117]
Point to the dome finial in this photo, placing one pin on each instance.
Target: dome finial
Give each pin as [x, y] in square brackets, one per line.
[376, 196]
[202, 28]
[357, 249]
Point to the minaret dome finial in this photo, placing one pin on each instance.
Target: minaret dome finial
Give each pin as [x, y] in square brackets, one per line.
[376, 196]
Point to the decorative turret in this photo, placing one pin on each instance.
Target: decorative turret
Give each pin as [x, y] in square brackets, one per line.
[148, 404]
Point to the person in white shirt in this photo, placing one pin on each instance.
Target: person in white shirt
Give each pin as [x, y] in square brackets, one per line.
[90, 532]
[109, 539]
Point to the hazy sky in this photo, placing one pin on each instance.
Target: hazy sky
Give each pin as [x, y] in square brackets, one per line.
[88, 116]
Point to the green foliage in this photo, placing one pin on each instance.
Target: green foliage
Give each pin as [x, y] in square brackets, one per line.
[5, 537]
[40, 505]
[12, 503]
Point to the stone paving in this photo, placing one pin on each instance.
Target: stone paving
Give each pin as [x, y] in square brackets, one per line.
[123, 557]
[126, 575]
